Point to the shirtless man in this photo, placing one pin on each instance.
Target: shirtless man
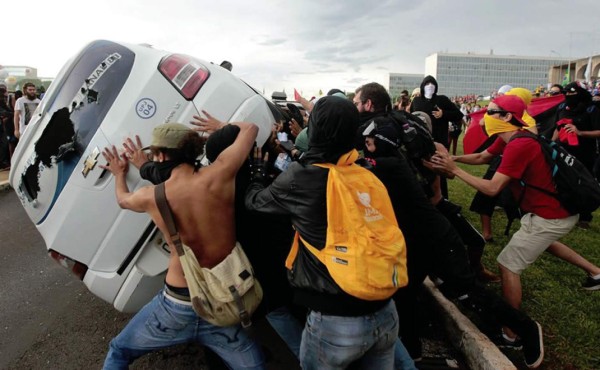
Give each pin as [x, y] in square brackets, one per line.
[202, 202]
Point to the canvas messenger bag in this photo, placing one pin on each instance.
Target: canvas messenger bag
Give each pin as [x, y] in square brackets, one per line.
[224, 295]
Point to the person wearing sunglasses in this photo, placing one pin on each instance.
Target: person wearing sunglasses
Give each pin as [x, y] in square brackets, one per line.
[555, 89]
[544, 221]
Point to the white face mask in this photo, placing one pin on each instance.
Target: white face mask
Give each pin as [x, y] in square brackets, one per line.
[429, 90]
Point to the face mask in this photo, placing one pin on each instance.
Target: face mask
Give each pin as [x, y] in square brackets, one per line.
[496, 126]
[572, 100]
[157, 172]
[429, 90]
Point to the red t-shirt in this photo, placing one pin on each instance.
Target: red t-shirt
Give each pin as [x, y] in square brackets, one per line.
[523, 159]
[497, 147]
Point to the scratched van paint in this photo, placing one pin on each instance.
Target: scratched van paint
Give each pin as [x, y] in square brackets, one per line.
[106, 93]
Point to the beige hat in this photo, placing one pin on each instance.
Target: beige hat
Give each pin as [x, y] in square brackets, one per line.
[168, 135]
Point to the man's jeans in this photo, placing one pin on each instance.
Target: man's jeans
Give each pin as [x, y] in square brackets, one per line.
[165, 322]
[288, 328]
[334, 342]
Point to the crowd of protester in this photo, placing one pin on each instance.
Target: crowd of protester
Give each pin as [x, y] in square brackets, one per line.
[279, 187]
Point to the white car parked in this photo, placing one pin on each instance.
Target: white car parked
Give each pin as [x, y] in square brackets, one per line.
[108, 92]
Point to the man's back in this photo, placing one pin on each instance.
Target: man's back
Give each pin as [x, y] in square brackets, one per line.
[202, 203]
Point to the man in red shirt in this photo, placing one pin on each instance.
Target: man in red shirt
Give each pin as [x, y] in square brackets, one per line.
[545, 220]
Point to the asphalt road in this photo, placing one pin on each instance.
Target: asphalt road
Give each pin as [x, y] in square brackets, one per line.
[49, 320]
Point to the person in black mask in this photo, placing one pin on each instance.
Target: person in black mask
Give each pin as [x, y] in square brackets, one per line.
[434, 247]
[139, 157]
[300, 192]
[578, 128]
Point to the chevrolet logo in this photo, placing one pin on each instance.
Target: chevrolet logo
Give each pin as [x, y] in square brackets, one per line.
[90, 162]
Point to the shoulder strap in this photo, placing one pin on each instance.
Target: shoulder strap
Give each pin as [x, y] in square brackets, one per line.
[526, 133]
[167, 215]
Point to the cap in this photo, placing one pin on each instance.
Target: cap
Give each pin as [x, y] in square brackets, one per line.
[512, 104]
[168, 135]
[522, 93]
[504, 89]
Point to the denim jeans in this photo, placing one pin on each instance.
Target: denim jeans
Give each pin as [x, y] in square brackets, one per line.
[335, 342]
[402, 359]
[165, 322]
[288, 328]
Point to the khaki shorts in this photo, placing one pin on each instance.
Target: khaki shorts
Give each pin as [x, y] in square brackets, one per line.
[532, 239]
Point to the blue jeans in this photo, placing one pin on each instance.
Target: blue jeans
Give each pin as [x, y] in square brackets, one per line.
[288, 328]
[335, 342]
[402, 359]
[165, 322]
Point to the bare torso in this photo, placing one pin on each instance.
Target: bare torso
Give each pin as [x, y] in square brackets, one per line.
[203, 208]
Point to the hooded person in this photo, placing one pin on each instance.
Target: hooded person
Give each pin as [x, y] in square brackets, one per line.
[434, 247]
[301, 193]
[331, 130]
[440, 110]
[266, 251]
[579, 116]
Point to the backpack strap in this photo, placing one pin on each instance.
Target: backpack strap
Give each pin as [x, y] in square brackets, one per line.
[525, 133]
[165, 211]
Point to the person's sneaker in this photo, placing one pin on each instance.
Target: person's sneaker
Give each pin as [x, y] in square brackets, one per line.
[591, 283]
[504, 342]
[533, 346]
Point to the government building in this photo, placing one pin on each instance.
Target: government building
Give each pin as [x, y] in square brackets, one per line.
[481, 74]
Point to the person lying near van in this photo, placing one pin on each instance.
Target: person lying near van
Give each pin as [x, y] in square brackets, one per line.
[169, 318]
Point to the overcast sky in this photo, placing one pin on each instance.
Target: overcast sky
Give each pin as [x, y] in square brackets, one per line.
[305, 44]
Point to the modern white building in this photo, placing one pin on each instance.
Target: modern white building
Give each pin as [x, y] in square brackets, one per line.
[481, 74]
[403, 81]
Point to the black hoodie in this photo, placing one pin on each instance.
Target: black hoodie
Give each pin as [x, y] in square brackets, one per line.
[450, 112]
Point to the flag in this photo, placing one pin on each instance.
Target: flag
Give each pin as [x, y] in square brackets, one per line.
[474, 135]
[566, 79]
[542, 110]
[297, 96]
[588, 70]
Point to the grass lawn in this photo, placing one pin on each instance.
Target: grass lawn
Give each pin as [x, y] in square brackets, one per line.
[552, 293]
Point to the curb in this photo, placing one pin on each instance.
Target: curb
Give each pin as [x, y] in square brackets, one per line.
[480, 353]
[4, 185]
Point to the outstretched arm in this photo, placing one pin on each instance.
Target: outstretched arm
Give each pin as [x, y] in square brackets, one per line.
[118, 166]
[474, 158]
[442, 161]
[232, 158]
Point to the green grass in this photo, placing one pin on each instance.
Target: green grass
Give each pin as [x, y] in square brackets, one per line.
[552, 293]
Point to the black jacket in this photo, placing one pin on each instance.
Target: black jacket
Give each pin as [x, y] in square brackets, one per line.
[300, 192]
[450, 112]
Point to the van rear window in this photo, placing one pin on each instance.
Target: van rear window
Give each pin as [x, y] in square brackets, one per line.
[77, 107]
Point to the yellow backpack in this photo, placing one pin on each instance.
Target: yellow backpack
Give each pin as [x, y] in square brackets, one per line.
[364, 251]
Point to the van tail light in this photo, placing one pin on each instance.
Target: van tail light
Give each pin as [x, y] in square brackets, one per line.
[185, 73]
[77, 268]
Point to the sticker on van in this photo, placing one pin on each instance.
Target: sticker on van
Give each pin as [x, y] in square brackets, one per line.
[145, 108]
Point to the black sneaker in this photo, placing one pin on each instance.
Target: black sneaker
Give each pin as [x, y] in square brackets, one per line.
[591, 284]
[533, 346]
[514, 344]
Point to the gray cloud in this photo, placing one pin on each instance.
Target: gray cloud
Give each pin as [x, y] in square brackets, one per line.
[272, 42]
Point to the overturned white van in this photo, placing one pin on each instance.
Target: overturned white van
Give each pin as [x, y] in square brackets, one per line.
[108, 92]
